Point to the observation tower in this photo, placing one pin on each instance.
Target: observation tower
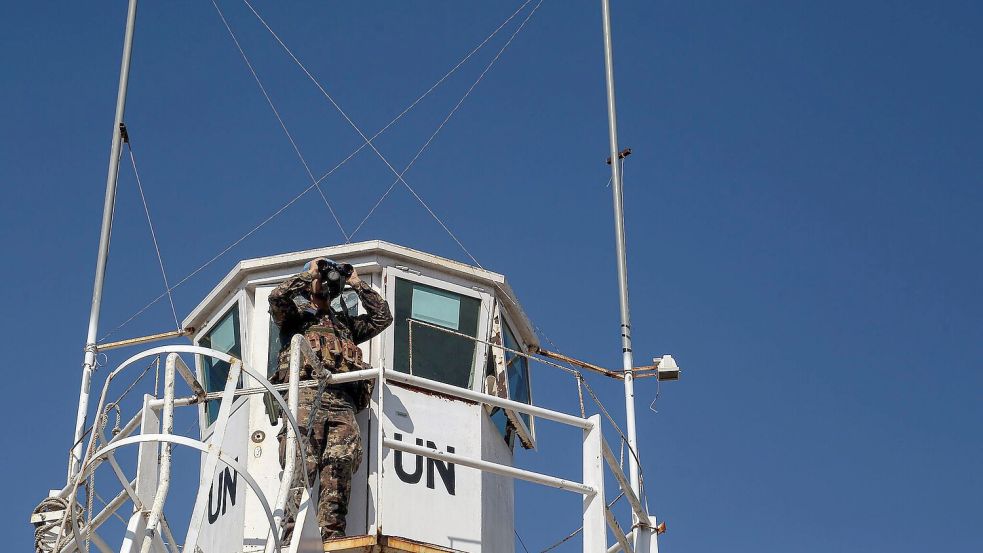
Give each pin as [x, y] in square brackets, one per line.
[451, 403]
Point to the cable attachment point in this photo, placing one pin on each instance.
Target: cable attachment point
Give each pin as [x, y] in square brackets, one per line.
[94, 349]
[621, 155]
[123, 134]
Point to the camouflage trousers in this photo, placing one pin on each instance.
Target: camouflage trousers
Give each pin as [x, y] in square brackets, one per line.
[333, 454]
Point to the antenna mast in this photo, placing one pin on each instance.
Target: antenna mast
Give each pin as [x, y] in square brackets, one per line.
[89, 363]
[619, 234]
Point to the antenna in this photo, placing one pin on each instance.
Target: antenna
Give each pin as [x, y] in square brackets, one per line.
[619, 237]
[89, 363]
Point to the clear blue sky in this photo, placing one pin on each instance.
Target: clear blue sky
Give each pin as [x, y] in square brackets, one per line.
[803, 217]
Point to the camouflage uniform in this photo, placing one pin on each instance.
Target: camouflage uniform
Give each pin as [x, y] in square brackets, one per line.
[334, 450]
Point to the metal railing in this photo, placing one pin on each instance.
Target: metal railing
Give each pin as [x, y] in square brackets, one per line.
[593, 468]
[596, 454]
[148, 491]
[152, 483]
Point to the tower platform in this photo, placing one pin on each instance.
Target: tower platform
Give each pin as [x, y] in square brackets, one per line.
[373, 543]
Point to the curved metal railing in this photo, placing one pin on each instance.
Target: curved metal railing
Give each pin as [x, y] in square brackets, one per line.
[148, 526]
[151, 523]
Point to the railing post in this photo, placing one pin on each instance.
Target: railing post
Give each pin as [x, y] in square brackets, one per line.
[380, 457]
[167, 420]
[147, 454]
[595, 524]
[297, 358]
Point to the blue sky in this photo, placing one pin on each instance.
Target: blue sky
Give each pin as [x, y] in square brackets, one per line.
[803, 227]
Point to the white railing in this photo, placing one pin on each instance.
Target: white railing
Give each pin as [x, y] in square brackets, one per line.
[596, 514]
[594, 449]
[149, 489]
[152, 483]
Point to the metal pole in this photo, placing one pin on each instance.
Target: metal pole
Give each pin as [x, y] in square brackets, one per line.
[619, 234]
[104, 236]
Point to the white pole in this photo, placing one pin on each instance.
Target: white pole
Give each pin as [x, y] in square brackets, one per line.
[619, 234]
[595, 530]
[104, 236]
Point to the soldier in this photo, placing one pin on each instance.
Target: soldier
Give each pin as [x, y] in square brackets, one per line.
[302, 305]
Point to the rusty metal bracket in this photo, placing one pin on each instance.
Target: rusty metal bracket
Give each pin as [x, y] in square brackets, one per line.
[646, 371]
[574, 361]
[144, 339]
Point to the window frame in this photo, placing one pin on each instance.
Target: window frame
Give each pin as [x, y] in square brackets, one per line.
[526, 434]
[389, 276]
[237, 301]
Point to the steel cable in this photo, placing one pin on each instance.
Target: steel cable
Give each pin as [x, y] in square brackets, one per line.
[153, 233]
[297, 197]
[283, 125]
[522, 543]
[440, 127]
[368, 141]
[573, 534]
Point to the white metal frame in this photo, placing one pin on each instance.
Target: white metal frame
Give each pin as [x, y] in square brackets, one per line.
[259, 349]
[596, 515]
[530, 431]
[213, 449]
[595, 455]
[239, 301]
[484, 316]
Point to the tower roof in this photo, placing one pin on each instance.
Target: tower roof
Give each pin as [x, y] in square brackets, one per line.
[381, 253]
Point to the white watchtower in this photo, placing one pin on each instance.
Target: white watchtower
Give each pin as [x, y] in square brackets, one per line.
[452, 400]
[446, 315]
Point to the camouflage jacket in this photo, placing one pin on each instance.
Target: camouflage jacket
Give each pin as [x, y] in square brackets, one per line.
[294, 314]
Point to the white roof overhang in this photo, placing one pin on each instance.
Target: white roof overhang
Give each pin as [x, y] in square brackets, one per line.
[384, 253]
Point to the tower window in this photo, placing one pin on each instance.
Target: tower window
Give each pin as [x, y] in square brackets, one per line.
[224, 337]
[437, 355]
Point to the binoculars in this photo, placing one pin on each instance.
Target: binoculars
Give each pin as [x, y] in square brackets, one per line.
[333, 275]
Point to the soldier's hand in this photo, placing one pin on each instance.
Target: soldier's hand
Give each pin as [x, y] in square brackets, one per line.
[317, 266]
[320, 302]
[353, 278]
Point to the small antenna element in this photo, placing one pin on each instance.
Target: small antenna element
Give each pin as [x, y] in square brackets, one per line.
[621, 155]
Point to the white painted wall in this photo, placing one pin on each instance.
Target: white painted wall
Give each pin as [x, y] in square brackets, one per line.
[418, 502]
[477, 516]
[421, 501]
[222, 527]
[498, 492]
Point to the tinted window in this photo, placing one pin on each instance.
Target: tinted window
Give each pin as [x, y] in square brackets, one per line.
[517, 369]
[437, 355]
[497, 415]
[224, 337]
